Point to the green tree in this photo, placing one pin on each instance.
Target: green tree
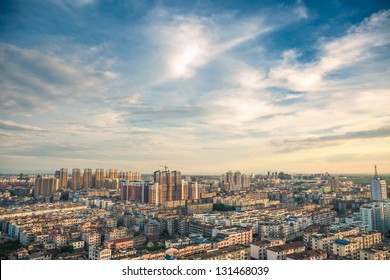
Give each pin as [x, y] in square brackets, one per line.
[67, 249]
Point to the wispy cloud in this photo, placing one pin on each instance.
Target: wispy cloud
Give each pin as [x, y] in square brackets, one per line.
[11, 125]
[37, 79]
[290, 145]
[358, 44]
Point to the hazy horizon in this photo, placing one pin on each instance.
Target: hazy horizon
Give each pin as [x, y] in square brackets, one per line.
[202, 86]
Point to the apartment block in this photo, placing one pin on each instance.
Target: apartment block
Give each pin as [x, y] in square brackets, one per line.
[280, 252]
[99, 253]
[259, 248]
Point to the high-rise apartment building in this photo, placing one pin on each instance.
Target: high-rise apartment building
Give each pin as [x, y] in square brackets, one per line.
[87, 178]
[169, 184]
[99, 178]
[184, 190]
[245, 181]
[63, 178]
[234, 181]
[378, 188]
[334, 184]
[193, 190]
[128, 175]
[76, 179]
[137, 191]
[154, 194]
[376, 216]
[112, 174]
[45, 186]
[237, 179]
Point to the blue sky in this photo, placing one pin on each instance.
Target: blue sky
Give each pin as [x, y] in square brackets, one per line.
[202, 86]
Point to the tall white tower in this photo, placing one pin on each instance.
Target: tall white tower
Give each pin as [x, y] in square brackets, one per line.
[378, 188]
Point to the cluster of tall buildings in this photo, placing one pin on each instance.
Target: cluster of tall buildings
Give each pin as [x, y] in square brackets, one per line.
[101, 179]
[166, 186]
[234, 181]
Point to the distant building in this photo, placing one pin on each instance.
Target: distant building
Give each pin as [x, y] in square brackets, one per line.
[234, 181]
[334, 184]
[378, 188]
[45, 186]
[193, 190]
[170, 186]
[76, 179]
[87, 178]
[112, 174]
[99, 179]
[137, 191]
[63, 178]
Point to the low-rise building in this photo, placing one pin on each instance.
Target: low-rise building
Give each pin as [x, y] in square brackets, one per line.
[377, 252]
[60, 240]
[259, 248]
[233, 236]
[350, 246]
[76, 244]
[99, 253]
[91, 239]
[117, 244]
[280, 252]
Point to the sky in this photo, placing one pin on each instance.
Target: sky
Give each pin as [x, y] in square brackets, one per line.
[199, 86]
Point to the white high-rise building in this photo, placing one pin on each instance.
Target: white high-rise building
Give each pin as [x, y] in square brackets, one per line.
[376, 216]
[378, 188]
[373, 216]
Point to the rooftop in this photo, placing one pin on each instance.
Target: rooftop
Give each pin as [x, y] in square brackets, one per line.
[119, 240]
[287, 246]
[342, 241]
[308, 254]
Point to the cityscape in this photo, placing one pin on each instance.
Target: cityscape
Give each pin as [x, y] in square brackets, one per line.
[194, 130]
[111, 214]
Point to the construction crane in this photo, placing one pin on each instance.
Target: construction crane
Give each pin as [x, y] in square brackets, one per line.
[165, 166]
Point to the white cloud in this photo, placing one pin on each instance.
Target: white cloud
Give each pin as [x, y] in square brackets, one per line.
[38, 79]
[358, 44]
[301, 9]
[190, 42]
[18, 126]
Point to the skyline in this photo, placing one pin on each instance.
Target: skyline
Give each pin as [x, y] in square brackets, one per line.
[260, 172]
[204, 87]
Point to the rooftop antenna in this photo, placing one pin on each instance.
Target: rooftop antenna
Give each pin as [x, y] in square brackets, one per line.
[376, 173]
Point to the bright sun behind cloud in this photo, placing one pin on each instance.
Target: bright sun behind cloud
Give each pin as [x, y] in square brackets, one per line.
[182, 62]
